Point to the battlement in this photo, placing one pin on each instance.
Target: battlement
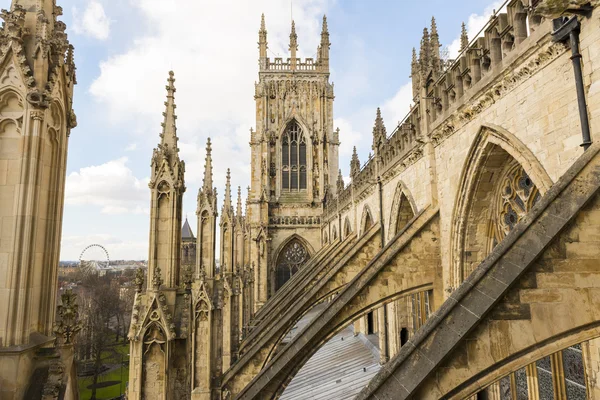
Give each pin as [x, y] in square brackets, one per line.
[294, 63]
[278, 64]
[448, 93]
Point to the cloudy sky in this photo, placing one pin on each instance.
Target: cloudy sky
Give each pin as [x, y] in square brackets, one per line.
[125, 48]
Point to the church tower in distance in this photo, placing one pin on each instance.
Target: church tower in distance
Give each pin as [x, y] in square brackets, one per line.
[294, 161]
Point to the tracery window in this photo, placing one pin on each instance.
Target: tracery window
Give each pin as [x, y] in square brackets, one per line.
[293, 256]
[293, 158]
[517, 195]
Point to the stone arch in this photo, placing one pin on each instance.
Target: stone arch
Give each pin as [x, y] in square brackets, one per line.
[403, 210]
[366, 221]
[334, 233]
[347, 227]
[494, 153]
[289, 257]
[325, 238]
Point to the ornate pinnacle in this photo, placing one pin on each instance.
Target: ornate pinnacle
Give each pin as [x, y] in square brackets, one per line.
[293, 45]
[379, 132]
[263, 28]
[227, 207]
[239, 202]
[138, 281]
[354, 163]
[424, 53]
[340, 183]
[325, 32]
[157, 280]
[434, 47]
[207, 183]
[262, 39]
[169, 134]
[464, 38]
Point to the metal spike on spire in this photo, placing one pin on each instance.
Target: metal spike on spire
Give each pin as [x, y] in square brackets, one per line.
[207, 183]
[464, 38]
[169, 129]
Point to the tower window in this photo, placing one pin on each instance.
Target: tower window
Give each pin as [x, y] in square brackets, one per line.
[293, 159]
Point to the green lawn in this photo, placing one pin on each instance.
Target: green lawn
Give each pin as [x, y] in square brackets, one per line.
[114, 375]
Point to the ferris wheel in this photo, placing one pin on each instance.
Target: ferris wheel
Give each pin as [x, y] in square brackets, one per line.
[97, 264]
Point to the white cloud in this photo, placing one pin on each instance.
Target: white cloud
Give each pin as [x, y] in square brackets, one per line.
[93, 22]
[131, 147]
[396, 109]
[215, 59]
[118, 249]
[474, 25]
[110, 186]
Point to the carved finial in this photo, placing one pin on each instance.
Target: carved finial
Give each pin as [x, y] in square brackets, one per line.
[379, 132]
[262, 41]
[227, 202]
[169, 137]
[340, 183]
[293, 46]
[67, 323]
[207, 183]
[464, 38]
[263, 28]
[157, 280]
[415, 74]
[239, 202]
[424, 53]
[138, 281]
[434, 48]
[354, 163]
[323, 50]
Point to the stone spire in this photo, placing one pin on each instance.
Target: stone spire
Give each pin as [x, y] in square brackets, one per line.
[207, 182]
[464, 38]
[414, 74]
[434, 48]
[238, 210]
[323, 50]
[379, 132]
[354, 163]
[262, 42]
[293, 45]
[424, 61]
[168, 137]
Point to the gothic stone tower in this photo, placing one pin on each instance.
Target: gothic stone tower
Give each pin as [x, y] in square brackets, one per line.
[37, 75]
[294, 161]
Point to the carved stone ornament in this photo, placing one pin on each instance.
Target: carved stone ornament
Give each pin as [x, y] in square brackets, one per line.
[67, 321]
[157, 280]
[138, 281]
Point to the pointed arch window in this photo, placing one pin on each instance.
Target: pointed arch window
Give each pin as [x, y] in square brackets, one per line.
[293, 158]
[293, 256]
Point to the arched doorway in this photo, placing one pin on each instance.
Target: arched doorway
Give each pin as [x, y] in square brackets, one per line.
[291, 258]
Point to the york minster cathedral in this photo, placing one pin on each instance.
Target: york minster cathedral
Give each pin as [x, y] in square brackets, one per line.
[460, 261]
